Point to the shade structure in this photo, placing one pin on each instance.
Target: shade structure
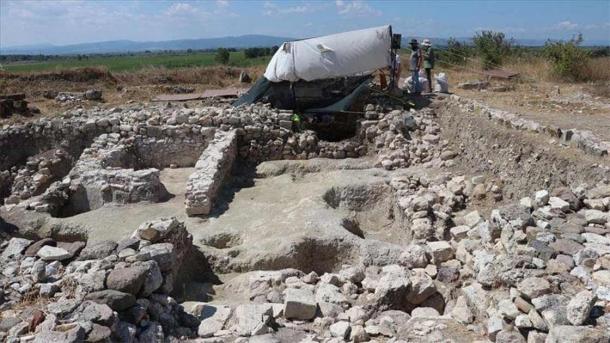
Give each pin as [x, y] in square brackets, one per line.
[338, 55]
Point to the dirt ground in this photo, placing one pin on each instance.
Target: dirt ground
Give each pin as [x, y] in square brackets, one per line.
[287, 199]
[565, 105]
[117, 89]
[562, 105]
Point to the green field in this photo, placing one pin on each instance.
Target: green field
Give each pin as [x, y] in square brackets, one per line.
[134, 62]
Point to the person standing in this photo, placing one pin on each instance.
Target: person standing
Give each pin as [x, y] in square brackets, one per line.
[396, 69]
[415, 65]
[428, 57]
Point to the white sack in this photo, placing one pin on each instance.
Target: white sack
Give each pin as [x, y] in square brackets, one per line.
[343, 54]
[408, 84]
[441, 83]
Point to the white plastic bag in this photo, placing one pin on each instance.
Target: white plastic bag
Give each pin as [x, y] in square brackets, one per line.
[441, 83]
[423, 83]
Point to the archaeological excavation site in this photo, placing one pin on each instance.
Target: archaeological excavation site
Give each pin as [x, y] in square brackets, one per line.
[432, 218]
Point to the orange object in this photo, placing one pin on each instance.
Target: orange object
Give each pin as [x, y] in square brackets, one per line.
[382, 80]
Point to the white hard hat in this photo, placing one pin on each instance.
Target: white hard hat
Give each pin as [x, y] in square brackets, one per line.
[426, 42]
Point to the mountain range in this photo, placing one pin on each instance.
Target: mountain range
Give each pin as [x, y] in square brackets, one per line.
[119, 46]
[246, 41]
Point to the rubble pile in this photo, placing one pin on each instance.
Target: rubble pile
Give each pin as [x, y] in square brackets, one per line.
[428, 207]
[37, 174]
[71, 97]
[405, 138]
[533, 270]
[98, 291]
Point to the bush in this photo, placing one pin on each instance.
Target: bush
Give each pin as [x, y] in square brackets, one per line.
[222, 56]
[492, 47]
[257, 52]
[600, 52]
[569, 61]
[456, 53]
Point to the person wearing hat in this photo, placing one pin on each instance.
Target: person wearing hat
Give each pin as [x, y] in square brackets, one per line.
[428, 57]
[415, 65]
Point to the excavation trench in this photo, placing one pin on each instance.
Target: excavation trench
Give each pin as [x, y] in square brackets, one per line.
[317, 214]
[308, 215]
[524, 161]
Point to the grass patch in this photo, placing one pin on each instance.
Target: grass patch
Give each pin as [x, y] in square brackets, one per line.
[127, 63]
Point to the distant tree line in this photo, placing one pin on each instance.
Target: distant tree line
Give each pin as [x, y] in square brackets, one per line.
[16, 58]
[249, 53]
[260, 51]
[223, 55]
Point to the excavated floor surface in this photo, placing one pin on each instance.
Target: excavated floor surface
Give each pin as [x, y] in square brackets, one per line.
[259, 224]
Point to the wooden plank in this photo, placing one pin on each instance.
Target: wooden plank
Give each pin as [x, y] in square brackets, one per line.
[17, 96]
[210, 93]
[500, 74]
[225, 92]
[177, 97]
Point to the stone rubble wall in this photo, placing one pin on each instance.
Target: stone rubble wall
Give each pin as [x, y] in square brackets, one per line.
[212, 169]
[159, 136]
[18, 142]
[97, 291]
[36, 175]
[105, 173]
[167, 152]
[122, 186]
[265, 133]
[117, 168]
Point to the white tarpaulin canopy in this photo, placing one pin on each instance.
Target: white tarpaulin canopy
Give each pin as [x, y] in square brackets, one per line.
[338, 55]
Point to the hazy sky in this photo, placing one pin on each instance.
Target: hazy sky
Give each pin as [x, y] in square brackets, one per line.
[24, 22]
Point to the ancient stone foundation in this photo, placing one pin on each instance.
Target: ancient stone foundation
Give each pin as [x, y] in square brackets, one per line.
[451, 223]
[212, 168]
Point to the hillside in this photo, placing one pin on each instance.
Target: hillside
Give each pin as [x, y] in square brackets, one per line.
[246, 41]
[132, 46]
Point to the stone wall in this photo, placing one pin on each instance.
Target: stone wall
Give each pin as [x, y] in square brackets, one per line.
[35, 175]
[213, 167]
[170, 152]
[120, 186]
[160, 136]
[106, 173]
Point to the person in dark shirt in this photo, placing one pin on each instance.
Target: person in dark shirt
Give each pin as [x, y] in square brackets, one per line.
[428, 57]
[415, 65]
